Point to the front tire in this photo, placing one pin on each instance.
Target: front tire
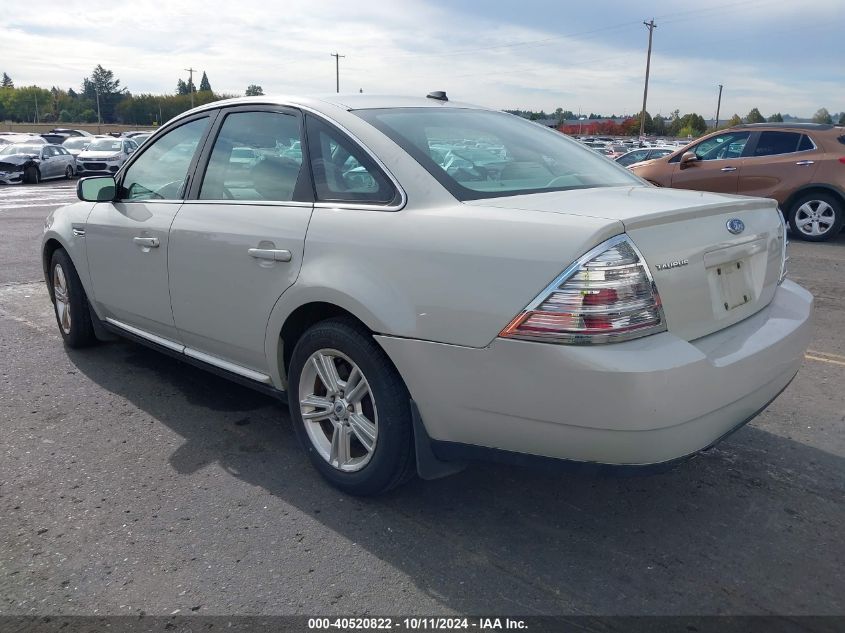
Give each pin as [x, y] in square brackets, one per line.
[69, 172]
[816, 217]
[351, 409]
[70, 302]
[32, 175]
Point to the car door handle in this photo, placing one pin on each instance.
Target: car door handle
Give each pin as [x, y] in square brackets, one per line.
[273, 254]
[805, 162]
[148, 242]
[728, 168]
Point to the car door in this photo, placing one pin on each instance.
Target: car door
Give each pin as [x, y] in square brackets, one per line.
[778, 164]
[49, 162]
[126, 240]
[717, 163]
[237, 244]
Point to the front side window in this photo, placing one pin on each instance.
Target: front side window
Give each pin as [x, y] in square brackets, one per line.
[160, 173]
[722, 146]
[342, 170]
[254, 158]
[482, 154]
[772, 143]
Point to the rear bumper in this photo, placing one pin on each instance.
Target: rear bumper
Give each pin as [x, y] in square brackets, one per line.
[646, 401]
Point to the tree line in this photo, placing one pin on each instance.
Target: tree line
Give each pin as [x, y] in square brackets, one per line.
[675, 124]
[102, 92]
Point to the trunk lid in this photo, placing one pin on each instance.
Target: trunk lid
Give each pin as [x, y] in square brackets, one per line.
[708, 278]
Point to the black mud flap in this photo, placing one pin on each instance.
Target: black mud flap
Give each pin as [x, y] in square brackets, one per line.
[428, 465]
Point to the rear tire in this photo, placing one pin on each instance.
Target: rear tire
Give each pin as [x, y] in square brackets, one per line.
[816, 217]
[362, 444]
[69, 172]
[70, 302]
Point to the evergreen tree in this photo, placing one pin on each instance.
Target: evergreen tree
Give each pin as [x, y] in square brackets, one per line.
[7, 82]
[755, 117]
[734, 120]
[181, 87]
[204, 84]
[254, 90]
[775, 118]
[842, 119]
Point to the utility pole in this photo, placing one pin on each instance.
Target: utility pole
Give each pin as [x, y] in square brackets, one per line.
[718, 105]
[651, 26]
[191, 72]
[337, 69]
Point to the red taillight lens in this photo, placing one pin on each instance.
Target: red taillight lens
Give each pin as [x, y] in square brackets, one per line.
[842, 160]
[607, 295]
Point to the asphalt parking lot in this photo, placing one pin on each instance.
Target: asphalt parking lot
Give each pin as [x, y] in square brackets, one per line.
[130, 483]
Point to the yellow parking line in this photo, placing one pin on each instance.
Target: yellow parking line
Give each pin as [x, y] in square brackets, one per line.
[825, 360]
[828, 354]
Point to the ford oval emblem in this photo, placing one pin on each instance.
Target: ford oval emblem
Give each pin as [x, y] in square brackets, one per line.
[736, 226]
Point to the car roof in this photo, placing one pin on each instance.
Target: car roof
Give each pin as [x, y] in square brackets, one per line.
[325, 103]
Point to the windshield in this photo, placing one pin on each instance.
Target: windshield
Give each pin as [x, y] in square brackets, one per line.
[76, 143]
[483, 154]
[21, 149]
[105, 145]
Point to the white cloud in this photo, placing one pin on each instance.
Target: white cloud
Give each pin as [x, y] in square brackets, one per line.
[403, 47]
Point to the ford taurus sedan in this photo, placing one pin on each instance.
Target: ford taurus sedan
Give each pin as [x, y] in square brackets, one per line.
[417, 311]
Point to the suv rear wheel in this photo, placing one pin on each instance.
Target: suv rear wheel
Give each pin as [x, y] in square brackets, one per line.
[816, 217]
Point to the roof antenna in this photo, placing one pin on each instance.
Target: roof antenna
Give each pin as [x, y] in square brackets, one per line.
[439, 95]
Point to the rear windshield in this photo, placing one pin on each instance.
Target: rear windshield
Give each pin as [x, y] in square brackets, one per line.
[483, 154]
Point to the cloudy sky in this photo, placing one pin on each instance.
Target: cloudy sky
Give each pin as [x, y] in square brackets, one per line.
[776, 55]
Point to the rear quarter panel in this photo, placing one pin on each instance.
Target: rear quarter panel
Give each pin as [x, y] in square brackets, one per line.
[456, 274]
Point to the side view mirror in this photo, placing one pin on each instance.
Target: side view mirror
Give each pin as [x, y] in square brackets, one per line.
[687, 159]
[96, 189]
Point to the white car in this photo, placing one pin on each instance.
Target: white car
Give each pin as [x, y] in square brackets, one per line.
[416, 313]
[104, 155]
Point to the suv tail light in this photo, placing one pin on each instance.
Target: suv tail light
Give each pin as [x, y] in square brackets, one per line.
[608, 295]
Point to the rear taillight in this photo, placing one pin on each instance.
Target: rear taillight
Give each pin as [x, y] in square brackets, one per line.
[842, 160]
[606, 296]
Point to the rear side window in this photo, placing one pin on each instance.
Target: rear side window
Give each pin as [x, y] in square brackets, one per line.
[342, 170]
[256, 157]
[806, 144]
[772, 143]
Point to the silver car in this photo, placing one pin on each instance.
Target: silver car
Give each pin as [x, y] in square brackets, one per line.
[32, 163]
[416, 311]
[104, 155]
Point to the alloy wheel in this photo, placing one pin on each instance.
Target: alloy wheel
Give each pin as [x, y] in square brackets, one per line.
[338, 410]
[815, 218]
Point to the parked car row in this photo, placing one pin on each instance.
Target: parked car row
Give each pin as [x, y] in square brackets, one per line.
[31, 159]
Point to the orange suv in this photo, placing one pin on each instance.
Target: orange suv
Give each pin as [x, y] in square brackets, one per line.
[801, 165]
